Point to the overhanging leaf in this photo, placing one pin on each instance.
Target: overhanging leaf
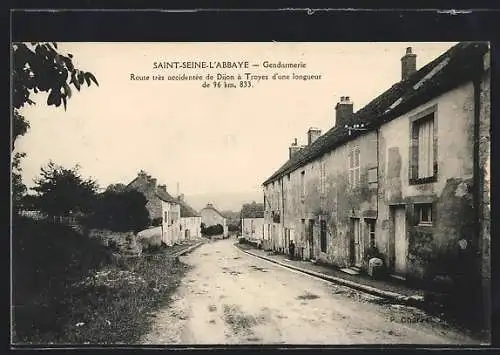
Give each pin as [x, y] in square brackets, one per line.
[92, 77]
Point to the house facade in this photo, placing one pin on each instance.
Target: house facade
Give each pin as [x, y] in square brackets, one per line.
[406, 178]
[190, 221]
[160, 205]
[210, 216]
[252, 221]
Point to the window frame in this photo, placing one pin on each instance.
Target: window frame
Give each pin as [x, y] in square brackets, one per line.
[352, 168]
[419, 208]
[429, 114]
[371, 223]
[372, 183]
[322, 177]
[302, 184]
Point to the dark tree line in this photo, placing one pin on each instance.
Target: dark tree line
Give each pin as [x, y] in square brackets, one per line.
[64, 192]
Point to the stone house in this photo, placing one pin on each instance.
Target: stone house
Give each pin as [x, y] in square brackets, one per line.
[210, 216]
[160, 205]
[190, 221]
[252, 220]
[405, 178]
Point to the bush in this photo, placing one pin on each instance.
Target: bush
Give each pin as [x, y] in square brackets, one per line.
[242, 241]
[120, 212]
[213, 230]
[233, 228]
[47, 259]
[156, 222]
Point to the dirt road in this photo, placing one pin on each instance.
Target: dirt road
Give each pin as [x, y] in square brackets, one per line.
[230, 297]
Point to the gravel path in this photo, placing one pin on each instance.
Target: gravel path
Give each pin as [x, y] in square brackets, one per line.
[230, 297]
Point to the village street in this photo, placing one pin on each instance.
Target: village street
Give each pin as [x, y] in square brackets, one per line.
[230, 297]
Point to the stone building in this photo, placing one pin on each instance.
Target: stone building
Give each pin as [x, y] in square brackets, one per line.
[210, 216]
[405, 178]
[160, 205]
[252, 220]
[190, 221]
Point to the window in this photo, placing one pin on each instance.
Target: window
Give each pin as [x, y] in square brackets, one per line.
[372, 178]
[323, 236]
[370, 223]
[302, 184]
[423, 150]
[165, 218]
[424, 213]
[354, 167]
[288, 176]
[322, 178]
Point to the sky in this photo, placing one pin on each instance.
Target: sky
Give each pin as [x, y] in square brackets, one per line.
[207, 140]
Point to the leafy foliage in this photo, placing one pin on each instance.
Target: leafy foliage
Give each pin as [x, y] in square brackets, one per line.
[120, 211]
[156, 221]
[19, 127]
[18, 188]
[217, 229]
[40, 67]
[62, 191]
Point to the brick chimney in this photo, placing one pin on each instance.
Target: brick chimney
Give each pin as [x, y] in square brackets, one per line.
[312, 135]
[408, 64]
[153, 181]
[294, 148]
[343, 111]
[181, 197]
[162, 188]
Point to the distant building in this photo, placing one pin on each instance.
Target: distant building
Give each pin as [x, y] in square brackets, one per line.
[160, 205]
[210, 216]
[252, 220]
[190, 221]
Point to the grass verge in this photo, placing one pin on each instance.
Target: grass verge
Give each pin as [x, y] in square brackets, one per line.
[68, 290]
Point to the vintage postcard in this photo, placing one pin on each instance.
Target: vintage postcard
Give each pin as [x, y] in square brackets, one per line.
[215, 193]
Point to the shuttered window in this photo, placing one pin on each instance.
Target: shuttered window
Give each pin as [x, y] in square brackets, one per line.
[423, 164]
[425, 148]
[354, 167]
[302, 184]
[322, 177]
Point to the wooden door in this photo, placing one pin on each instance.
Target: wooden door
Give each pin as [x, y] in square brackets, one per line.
[358, 243]
[311, 239]
[400, 241]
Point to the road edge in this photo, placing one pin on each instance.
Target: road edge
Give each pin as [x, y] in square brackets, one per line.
[414, 301]
[188, 249]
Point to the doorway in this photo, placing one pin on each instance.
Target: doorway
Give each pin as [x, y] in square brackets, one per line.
[357, 250]
[400, 241]
[311, 239]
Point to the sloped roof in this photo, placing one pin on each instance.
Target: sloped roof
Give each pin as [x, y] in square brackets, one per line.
[186, 210]
[165, 196]
[211, 207]
[459, 64]
[252, 210]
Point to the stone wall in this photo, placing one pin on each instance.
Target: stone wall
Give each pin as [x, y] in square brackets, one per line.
[122, 243]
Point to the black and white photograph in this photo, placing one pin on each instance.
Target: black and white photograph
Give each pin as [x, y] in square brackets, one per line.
[250, 193]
